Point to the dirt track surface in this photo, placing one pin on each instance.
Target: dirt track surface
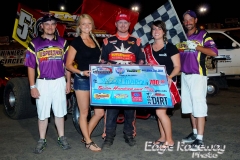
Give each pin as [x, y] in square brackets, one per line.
[18, 137]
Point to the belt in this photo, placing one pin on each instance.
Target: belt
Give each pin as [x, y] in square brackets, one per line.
[48, 78]
[188, 73]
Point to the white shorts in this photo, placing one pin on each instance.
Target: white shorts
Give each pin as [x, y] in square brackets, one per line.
[193, 93]
[52, 95]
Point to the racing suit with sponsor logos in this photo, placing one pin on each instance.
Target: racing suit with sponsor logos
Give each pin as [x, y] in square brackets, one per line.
[118, 50]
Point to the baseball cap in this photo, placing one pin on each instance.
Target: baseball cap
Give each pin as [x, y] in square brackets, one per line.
[48, 17]
[191, 13]
[122, 17]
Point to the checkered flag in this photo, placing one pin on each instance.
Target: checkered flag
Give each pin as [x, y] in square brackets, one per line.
[167, 14]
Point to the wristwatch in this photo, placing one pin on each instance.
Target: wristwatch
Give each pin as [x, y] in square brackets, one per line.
[81, 73]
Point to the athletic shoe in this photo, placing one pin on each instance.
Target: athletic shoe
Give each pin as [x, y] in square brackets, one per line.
[107, 143]
[129, 140]
[62, 141]
[197, 145]
[190, 138]
[41, 145]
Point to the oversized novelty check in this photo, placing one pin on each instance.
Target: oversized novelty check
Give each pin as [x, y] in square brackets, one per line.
[129, 86]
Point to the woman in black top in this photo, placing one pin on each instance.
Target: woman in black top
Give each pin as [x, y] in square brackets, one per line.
[85, 50]
[160, 52]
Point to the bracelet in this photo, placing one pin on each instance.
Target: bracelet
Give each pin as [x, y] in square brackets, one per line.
[33, 86]
[81, 73]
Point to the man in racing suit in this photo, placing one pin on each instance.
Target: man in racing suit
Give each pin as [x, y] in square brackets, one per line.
[121, 48]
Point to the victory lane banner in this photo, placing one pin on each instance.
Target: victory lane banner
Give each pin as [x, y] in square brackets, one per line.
[129, 86]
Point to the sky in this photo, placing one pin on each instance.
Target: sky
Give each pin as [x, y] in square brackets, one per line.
[216, 11]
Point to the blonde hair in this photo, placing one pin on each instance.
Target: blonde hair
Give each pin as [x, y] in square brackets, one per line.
[78, 30]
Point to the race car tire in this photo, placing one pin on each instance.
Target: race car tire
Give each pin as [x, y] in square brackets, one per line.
[17, 101]
[1, 94]
[70, 99]
[98, 130]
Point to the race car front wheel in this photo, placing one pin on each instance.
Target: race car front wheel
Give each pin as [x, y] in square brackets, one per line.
[17, 100]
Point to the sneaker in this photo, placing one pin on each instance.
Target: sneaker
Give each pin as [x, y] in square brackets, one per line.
[41, 145]
[190, 138]
[196, 145]
[62, 141]
[107, 143]
[129, 140]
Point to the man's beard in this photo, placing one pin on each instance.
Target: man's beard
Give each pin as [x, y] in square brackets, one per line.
[191, 27]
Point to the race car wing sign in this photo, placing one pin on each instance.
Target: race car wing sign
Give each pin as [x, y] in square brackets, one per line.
[27, 25]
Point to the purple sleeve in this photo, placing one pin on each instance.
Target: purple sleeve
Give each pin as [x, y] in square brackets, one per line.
[209, 43]
[30, 60]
